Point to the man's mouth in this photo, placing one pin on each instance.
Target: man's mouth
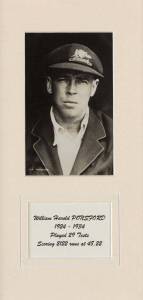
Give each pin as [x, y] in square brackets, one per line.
[70, 102]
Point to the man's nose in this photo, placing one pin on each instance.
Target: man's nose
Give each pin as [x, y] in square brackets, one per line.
[71, 87]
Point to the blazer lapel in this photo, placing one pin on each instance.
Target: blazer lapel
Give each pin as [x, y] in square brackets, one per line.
[44, 148]
[90, 147]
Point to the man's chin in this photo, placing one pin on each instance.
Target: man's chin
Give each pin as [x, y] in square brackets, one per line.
[72, 118]
[70, 114]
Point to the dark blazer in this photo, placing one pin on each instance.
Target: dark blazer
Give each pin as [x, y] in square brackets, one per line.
[94, 156]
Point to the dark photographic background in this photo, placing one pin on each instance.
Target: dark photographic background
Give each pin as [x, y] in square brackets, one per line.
[37, 45]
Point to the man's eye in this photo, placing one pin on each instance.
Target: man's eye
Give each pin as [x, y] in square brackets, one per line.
[61, 79]
[80, 80]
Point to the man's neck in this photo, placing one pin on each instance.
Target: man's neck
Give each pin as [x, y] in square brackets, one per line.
[72, 125]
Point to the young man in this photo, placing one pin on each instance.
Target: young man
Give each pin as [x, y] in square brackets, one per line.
[71, 139]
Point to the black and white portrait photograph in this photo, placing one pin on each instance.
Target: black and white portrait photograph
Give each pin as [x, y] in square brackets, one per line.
[69, 103]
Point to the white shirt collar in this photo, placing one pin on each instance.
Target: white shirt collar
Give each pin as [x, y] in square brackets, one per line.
[59, 129]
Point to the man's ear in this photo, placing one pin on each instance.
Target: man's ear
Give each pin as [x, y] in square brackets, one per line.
[49, 85]
[94, 87]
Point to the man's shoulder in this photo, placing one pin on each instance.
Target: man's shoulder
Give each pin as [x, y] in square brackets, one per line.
[105, 120]
[103, 117]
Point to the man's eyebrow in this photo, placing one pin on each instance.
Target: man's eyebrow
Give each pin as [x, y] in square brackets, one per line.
[60, 75]
[83, 76]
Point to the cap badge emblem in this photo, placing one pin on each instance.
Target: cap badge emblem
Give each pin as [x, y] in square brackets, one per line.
[81, 56]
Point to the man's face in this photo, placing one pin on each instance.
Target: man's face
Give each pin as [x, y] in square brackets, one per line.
[71, 93]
